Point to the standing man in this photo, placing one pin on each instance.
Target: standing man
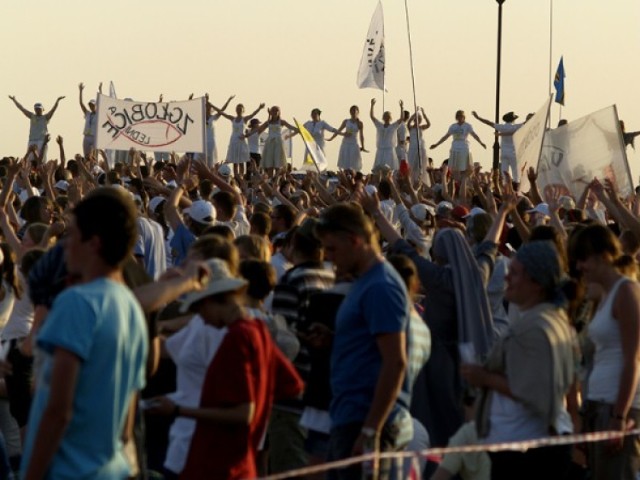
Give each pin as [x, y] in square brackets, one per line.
[369, 360]
[507, 148]
[94, 343]
[38, 128]
[90, 119]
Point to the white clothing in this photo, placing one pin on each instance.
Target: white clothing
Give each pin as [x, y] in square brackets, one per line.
[506, 141]
[211, 154]
[401, 149]
[417, 156]
[238, 151]
[38, 128]
[511, 421]
[239, 223]
[192, 349]
[317, 129]
[254, 143]
[150, 245]
[6, 304]
[280, 263]
[350, 156]
[21, 318]
[90, 119]
[604, 332]
[460, 135]
[386, 140]
[412, 232]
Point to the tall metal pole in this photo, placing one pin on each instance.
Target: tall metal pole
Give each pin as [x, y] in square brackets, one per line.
[496, 143]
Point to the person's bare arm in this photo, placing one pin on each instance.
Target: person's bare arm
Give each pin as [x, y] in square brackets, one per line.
[534, 193]
[63, 159]
[57, 413]
[26, 112]
[82, 105]
[246, 118]
[439, 142]
[477, 138]
[155, 295]
[488, 123]
[371, 113]
[54, 108]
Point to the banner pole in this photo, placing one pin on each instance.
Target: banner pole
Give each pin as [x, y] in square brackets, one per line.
[413, 85]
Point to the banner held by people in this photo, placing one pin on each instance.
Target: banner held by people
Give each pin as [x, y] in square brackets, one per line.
[314, 156]
[151, 126]
[527, 141]
[372, 64]
[587, 148]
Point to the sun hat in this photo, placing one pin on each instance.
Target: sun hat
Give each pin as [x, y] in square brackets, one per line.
[509, 117]
[219, 280]
[202, 211]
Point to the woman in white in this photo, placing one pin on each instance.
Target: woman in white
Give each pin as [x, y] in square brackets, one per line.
[238, 151]
[211, 154]
[317, 127]
[401, 148]
[612, 396]
[350, 157]
[417, 157]
[386, 139]
[460, 159]
[273, 153]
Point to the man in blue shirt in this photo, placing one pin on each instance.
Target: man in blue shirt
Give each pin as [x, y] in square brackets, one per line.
[94, 342]
[369, 359]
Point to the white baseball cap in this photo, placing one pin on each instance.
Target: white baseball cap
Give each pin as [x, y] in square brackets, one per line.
[474, 211]
[541, 208]
[225, 170]
[62, 185]
[202, 211]
[420, 211]
[155, 202]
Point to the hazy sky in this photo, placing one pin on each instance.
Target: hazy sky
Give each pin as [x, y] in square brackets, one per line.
[302, 54]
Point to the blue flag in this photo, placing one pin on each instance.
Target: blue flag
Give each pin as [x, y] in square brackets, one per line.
[558, 83]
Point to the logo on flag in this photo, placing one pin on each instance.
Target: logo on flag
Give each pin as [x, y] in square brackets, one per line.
[558, 82]
[314, 159]
[371, 72]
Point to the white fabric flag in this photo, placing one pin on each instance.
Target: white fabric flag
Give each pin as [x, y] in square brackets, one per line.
[527, 141]
[151, 126]
[584, 149]
[371, 72]
[314, 156]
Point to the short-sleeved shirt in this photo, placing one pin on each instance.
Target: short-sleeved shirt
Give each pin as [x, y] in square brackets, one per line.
[151, 247]
[248, 368]
[506, 142]
[376, 304]
[460, 134]
[180, 243]
[38, 127]
[103, 325]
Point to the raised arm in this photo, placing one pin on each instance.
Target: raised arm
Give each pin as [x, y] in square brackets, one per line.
[54, 108]
[26, 112]
[371, 114]
[220, 111]
[257, 110]
[226, 104]
[439, 142]
[338, 131]
[426, 120]
[488, 123]
[82, 106]
[63, 159]
[401, 117]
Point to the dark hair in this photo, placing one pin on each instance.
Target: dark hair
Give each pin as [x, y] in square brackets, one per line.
[630, 242]
[8, 269]
[595, 240]
[286, 213]
[550, 234]
[29, 259]
[214, 246]
[225, 203]
[306, 246]
[113, 178]
[261, 277]
[72, 166]
[30, 211]
[206, 188]
[260, 224]
[109, 214]
[405, 268]
[384, 188]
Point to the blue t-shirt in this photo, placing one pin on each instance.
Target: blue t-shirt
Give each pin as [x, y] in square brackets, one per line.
[377, 303]
[102, 323]
[180, 243]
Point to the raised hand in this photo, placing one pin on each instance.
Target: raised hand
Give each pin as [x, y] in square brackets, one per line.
[59, 140]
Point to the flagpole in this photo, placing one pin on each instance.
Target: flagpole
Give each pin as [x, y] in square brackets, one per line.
[384, 71]
[550, 53]
[413, 84]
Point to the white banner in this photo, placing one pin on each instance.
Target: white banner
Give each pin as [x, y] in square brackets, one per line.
[371, 72]
[527, 141]
[151, 126]
[584, 149]
[314, 156]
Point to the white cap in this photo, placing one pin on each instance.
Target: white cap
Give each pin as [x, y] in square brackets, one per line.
[566, 202]
[225, 170]
[474, 211]
[370, 189]
[202, 211]
[62, 185]
[541, 208]
[155, 202]
[420, 211]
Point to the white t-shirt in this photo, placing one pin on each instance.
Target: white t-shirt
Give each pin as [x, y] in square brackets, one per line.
[192, 349]
[460, 134]
[506, 142]
[21, 318]
[38, 128]
[151, 247]
[90, 124]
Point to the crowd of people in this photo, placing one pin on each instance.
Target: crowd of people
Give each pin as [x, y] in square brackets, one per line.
[183, 316]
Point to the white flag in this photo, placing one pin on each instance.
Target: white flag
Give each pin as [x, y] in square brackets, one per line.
[151, 126]
[371, 72]
[584, 149]
[314, 156]
[527, 141]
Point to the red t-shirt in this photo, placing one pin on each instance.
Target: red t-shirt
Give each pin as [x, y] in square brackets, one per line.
[248, 367]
